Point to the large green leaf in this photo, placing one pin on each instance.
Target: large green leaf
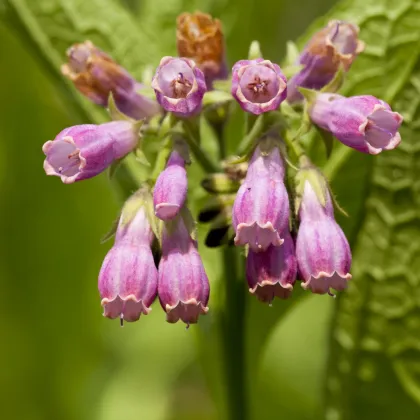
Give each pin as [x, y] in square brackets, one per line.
[374, 368]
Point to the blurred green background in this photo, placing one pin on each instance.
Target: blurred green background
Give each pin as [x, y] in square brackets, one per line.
[60, 359]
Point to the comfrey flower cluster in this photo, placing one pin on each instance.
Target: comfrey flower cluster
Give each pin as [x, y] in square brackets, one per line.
[249, 197]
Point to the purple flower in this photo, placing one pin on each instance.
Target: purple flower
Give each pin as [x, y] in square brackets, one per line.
[322, 251]
[258, 85]
[171, 188]
[128, 278]
[335, 45]
[364, 123]
[179, 86]
[83, 151]
[183, 286]
[96, 75]
[261, 209]
[273, 272]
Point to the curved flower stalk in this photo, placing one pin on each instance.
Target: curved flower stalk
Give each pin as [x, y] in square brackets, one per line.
[96, 76]
[128, 278]
[200, 37]
[183, 285]
[261, 209]
[179, 86]
[322, 251]
[258, 85]
[84, 151]
[333, 46]
[272, 273]
[364, 123]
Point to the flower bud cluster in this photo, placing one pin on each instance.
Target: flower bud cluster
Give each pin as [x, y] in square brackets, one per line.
[284, 219]
[129, 280]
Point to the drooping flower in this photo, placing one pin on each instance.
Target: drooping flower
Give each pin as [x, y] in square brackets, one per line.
[171, 188]
[183, 286]
[258, 85]
[272, 273]
[200, 37]
[179, 86]
[364, 123]
[261, 209]
[96, 76]
[322, 251]
[84, 151]
[336, 44]
[128, 278]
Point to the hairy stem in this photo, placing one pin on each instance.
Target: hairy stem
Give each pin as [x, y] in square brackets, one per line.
[233, 336]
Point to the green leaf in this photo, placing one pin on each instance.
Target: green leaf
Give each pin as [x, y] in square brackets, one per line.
[375, 345]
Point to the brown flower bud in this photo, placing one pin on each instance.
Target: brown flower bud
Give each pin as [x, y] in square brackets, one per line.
[96, 75]
[200, 37]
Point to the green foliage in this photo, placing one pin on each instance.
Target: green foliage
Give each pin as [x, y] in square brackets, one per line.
[375, 354]
[149, 371]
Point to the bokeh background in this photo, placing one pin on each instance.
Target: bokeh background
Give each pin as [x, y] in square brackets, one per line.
[59, 358]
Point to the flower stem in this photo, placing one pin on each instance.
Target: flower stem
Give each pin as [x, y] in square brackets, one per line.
[202, 159]
[294, 144]
[233, 336]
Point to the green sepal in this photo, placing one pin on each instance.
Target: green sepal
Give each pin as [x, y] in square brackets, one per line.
[155, 223]
[336, 82]
[236, 160]
[114, 112]
[147, 76]
[318, 183]
[134, 203]
[216, 97]
[141, 158]
[141, 198]
[167, 124]
[336, 204]
[308, 94]
[222, 85]
[113, 168]
[147, 92]
[290, 71]
[292, 54]
[254, 51]
[220, 183]
[111, 232]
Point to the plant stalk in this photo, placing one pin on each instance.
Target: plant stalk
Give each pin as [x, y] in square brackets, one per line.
[233, 336]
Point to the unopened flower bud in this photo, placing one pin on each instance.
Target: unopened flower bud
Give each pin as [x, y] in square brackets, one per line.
[96, 76]
[261, 209]
[335, 45]
[364, 123]
[179, 86]
[258, 85]
[84, 151]
[171, 188]
[128, 277]
[200, 37]
[272, 273]
[183, 286]
[322, 250]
